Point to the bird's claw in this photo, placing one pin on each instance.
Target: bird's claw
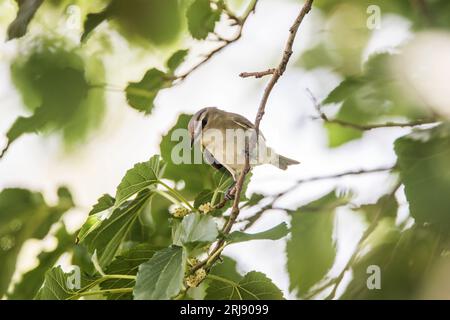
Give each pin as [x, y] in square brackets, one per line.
[231, 193]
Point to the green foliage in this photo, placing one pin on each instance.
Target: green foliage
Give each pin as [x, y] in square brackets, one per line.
[253, 286]
[141, 21]
[24, 215]
[202, 18]
[274, 233]
[139, 178]
[54, 80]
[161, 277]
[371, 97]
[195, 230]
[423, 161]
[55, 286]
[311, 249]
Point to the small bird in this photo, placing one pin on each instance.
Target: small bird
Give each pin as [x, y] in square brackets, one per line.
[226, 138]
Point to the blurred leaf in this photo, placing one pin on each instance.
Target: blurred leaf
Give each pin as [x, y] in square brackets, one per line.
[27, 10]
[195, 230]
[32, 281]
[386, 206]
[161, 277]
[141, 21]
[24, 215]
[127, 264]
[317, 57]
[176, 60]
[108, 236]
[140, 177]
[54, 81]
[372, 97]
[202, 18]
[311, 249]
[253, 286]
[141, 95]
[274, 233]
[403, 258]
[423, 161]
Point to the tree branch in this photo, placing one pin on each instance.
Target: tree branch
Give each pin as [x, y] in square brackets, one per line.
[257, 74]
[298, 183]
[278, 72]
[366, 127]
[240, 22]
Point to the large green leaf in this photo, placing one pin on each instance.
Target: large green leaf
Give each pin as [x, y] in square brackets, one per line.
[195, 230]
[106, 238]
[55, 81]
[162, 276]
[423, 161]
[274, 233]
[253, 286]
[104, 203]
[142, 22]
[126, 264]
[311, 249]
[24, 215]
[202, 18]
[27, 10]
[140, 177]
[32, 281]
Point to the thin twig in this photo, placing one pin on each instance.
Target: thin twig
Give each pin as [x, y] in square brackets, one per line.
[366, 127]
[240, 23]
[239, 184]
[271, 205]
[257, 74]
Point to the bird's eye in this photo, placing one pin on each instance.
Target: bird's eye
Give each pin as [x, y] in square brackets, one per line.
[204, 121]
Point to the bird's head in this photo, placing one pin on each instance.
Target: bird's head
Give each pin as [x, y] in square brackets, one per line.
[198, 122]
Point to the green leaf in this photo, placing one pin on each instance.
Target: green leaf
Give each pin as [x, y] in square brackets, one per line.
[127, 264]
[274, 233]
[253, 286]
[104, 203]
[24, 215]
[227, 268]
[311, 249]
[27, 10]
[202, 19]
[423, 161]
[176, 60]
[55, 286]
[141, 95]
[386, 206]
[371, 97]
[105, 239]
[32, 281]
[195, 230]
[54, 80]
[140, 177]
[162, 276]
[93, 20]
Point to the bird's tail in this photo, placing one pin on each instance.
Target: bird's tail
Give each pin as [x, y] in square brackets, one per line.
[282, 162]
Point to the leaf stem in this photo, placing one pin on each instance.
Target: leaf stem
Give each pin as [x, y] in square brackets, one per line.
[177, 194]
[100, 292]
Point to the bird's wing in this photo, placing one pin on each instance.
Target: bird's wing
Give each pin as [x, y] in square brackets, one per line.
[211, 160]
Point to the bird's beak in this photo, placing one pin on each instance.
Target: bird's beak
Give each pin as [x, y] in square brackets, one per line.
[195, 137]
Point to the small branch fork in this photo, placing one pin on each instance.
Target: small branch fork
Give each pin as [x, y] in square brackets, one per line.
[276, 74]
[366, 127]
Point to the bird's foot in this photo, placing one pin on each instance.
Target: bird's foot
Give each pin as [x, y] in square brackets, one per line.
[231, 193]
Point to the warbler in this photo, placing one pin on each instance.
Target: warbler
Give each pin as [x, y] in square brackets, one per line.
[226, 140]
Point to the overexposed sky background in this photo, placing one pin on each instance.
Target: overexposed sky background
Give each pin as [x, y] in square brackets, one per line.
[127, 137]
